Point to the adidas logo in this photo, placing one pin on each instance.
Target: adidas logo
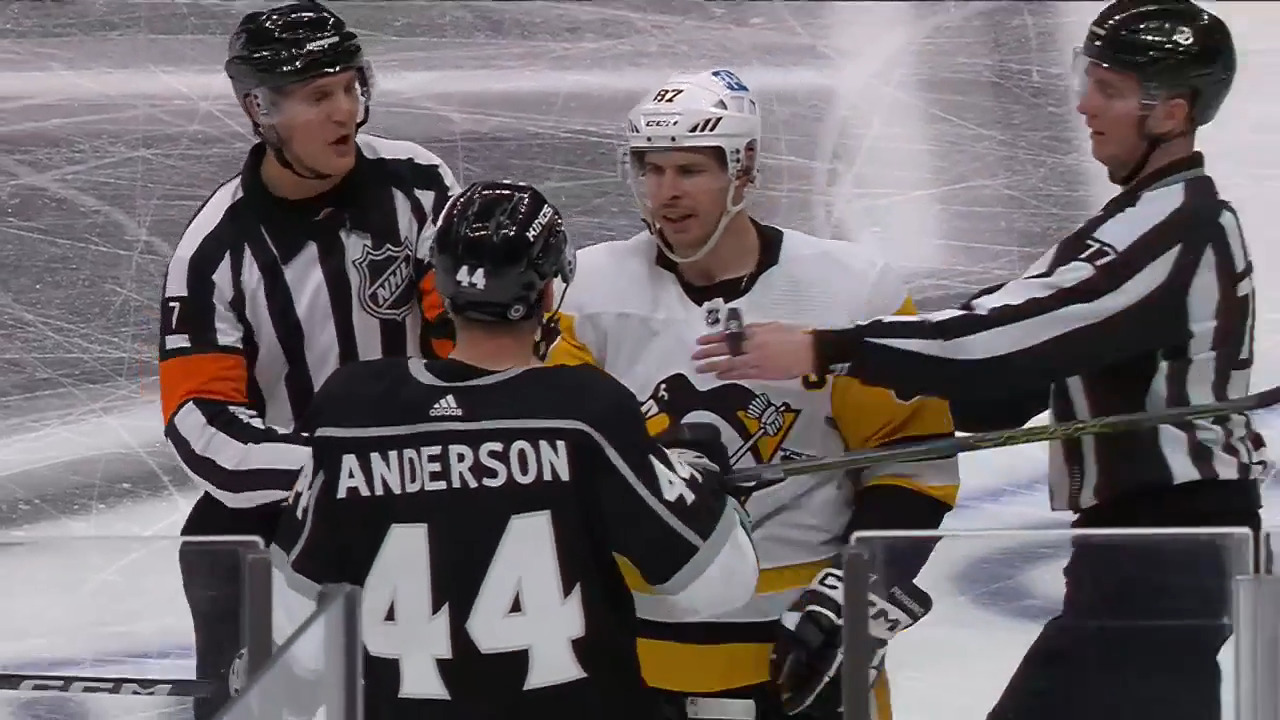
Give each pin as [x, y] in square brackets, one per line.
[445, 406]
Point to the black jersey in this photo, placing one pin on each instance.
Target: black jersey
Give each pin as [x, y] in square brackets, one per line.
[485, 515]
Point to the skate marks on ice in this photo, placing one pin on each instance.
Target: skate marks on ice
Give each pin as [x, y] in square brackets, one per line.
[903, 124]
[940, 131]
[102, 605]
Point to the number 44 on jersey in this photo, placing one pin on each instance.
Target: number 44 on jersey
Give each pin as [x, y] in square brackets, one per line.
[524, 573]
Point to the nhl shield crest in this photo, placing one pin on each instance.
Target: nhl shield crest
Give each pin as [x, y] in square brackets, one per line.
[386, 281]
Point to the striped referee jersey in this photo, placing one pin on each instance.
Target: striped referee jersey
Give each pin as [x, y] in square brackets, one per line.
[1147, 306]
[264, 298]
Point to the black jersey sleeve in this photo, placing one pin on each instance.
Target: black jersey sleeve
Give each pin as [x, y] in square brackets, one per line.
[663, 517]
[304, 530]
[309, 548]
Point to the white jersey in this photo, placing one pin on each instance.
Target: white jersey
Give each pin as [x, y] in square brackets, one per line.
[627, 313]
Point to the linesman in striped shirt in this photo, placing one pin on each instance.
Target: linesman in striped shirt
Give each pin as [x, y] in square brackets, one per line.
[307, 260]
[1149, 305]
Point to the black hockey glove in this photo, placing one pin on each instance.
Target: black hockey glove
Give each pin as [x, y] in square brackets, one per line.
[701, 446]
[810, 649]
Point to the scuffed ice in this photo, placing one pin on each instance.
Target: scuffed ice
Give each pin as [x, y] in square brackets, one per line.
[941, 132]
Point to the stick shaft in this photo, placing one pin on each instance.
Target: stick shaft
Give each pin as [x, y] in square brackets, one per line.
[756, 478]
[106, 685]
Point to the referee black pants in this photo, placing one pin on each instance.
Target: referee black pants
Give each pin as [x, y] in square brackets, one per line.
[1142, 620]
[212, 580]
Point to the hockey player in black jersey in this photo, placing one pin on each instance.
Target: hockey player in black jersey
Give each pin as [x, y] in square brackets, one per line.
[484, 502]
[1148, 305]
[306, 260]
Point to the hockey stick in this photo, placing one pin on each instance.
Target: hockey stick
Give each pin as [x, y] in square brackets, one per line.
[757, 478]
[106, 685]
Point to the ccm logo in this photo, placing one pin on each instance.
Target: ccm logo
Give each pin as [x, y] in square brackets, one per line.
[93, 686]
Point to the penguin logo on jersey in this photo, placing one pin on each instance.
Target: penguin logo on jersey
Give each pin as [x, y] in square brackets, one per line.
[761, 424]
[386, 280]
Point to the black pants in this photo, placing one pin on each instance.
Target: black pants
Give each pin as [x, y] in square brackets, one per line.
[1143, 620]
[212, 580]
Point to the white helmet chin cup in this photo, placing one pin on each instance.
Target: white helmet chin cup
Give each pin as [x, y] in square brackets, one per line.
[707, 109]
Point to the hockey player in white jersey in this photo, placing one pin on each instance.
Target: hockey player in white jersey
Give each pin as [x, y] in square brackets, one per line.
[636, 308]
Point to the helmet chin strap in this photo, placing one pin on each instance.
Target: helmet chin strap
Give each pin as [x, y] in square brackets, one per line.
[549, 327]
[1154, 143]
[548, 330]
[731, 210]
[306, 173]
[272, 139]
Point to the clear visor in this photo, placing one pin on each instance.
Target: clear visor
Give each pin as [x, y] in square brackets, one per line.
[340, 94]
[1079, 74]
[631, 172]
[1109, 89]
[630, 164]
[651, 192]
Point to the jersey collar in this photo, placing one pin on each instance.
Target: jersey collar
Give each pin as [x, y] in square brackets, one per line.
[730, 289]
[339, 197]
[1170, 173]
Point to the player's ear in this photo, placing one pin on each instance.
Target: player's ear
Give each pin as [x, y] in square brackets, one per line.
[1173, 115]
[250, 108]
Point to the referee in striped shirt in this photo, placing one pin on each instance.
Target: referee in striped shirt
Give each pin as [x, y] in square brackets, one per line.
[1148, 305]
[305, 261]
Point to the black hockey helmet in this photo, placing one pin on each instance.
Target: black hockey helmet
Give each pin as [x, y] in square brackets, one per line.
[1174, 47]
[495, 248]
[288, 44]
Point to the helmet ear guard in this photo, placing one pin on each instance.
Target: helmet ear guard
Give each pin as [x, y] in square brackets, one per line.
[568, 265]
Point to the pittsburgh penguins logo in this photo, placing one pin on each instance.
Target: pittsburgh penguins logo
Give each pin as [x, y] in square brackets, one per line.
[761, 425]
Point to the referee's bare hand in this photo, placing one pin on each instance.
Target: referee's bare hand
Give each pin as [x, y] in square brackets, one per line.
[771, 351]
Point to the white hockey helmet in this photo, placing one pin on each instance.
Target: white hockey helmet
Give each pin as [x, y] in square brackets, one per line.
[707, 109]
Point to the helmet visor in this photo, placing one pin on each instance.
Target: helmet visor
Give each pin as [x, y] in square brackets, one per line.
[661, 176]
[1101, 84]
[336, 93]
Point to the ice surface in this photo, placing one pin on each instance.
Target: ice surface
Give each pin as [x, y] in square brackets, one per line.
[940, 131]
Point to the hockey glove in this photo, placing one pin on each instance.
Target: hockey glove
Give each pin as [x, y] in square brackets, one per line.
[810, 649]
[700, 446]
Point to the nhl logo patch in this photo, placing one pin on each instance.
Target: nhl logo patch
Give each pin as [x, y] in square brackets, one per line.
[386, 281]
